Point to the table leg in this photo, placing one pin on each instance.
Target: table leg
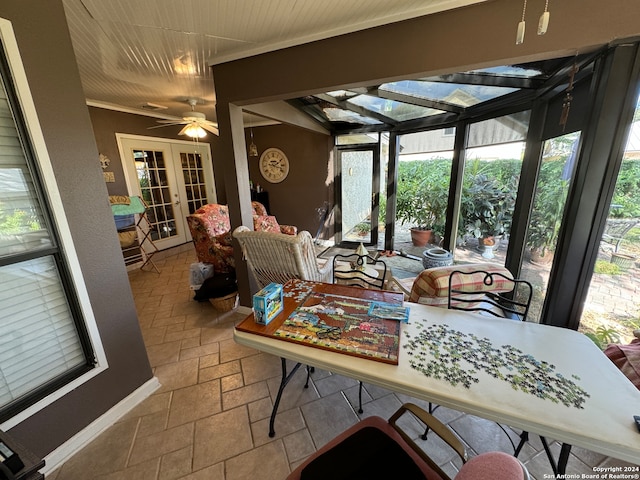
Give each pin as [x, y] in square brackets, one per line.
[563, 458]
[283, 383]
[559, 467]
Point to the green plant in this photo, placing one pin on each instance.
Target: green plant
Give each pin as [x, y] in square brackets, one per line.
[17, 222]
[604, 336]
[362, 228]
[423, 191]
[488, 208]
[606, 268]
[548, 207]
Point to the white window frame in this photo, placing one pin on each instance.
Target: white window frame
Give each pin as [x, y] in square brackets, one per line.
[41, 156]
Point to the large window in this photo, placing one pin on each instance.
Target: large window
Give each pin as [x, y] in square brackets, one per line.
[552, 187]
[612, 309]
[43, 342]
[493, 161]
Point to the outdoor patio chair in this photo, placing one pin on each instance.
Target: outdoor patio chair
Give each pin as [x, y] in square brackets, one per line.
[375, 448]
[359, 271]
[495, 293]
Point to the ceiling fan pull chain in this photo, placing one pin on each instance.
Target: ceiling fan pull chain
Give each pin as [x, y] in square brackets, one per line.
[521, 26]
[543, 24]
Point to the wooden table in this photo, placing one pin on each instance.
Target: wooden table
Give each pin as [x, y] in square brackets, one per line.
[603, 422]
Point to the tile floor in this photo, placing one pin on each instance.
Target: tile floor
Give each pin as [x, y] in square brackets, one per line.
[209, 420]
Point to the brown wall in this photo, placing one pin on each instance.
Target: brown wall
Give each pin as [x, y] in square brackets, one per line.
[310, 181]
[106, 123]
[293, 201]
[47, 54]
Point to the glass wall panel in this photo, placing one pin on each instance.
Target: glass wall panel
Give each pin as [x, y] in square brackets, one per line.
[424, 173]
[612, 309]
[493, 161]
[552, 187]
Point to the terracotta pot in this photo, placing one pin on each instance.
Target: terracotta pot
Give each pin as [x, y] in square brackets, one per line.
[420, 238]
[538, 259]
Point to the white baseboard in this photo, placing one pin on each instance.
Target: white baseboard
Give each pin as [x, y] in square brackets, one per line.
[65, 451]
[244, 310]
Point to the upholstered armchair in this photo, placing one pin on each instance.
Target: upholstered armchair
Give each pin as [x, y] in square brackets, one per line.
[211, 233]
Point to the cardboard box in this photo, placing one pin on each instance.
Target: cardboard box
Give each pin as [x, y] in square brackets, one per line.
[267, 303]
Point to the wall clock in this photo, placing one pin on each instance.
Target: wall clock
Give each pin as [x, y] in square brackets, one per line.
[274, 165]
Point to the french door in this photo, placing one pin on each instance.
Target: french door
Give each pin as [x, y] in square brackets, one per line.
[173, 178]
[358, 194]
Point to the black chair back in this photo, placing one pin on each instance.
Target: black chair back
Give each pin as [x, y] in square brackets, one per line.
[496, 294]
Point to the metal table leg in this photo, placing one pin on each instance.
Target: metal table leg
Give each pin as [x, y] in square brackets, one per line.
[283, 383]
[559, 467]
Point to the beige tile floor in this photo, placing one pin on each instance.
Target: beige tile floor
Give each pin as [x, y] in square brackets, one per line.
[209, 420]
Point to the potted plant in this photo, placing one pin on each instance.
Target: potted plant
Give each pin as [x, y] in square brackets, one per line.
[488, 210]
[422, 204]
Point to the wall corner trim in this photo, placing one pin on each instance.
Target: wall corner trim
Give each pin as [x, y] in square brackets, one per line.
[64, 452]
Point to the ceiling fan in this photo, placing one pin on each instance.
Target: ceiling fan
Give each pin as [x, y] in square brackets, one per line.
[195, 123]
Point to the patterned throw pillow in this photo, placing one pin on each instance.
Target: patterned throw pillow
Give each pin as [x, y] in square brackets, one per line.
[265, 223]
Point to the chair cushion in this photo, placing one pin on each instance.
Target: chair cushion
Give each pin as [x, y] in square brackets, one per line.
[266, 223]
[368, 454]
[492, 466]
[375, 461]
[434, 282]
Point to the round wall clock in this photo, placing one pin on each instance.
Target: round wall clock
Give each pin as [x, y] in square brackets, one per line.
[274, 165]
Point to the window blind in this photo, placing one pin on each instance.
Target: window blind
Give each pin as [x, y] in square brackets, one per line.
[39, 338]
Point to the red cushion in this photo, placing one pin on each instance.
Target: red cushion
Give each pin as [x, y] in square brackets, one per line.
[492, 466]
[266, 223]
[627, 359]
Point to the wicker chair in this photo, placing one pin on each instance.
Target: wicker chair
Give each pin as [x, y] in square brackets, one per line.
[277, 257]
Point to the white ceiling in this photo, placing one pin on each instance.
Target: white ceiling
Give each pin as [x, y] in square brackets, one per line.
[134, 52]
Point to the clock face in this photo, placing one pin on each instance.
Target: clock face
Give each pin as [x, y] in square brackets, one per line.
[274, 165]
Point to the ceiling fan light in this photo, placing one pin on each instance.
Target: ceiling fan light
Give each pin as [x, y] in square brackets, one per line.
[195, 131]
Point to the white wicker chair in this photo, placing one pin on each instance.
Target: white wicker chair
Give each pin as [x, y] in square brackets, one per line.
[276, 257]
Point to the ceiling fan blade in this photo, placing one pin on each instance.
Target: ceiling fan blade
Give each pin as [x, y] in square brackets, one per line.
[171, 122]
[165, 125]
[210, 128]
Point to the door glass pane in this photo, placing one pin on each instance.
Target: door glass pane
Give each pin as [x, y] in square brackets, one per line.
[152, 176]
[194, 180]
[357, 191]
[556, 169]
[490, 186]
[612, 309]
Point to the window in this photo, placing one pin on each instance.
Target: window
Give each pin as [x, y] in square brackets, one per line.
[44, 343]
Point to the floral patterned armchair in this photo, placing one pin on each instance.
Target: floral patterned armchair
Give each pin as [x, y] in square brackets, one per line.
[211, 232]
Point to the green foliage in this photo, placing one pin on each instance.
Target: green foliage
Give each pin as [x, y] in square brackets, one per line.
[604, 336]
[488, 204]
[625, 202]
[548, 207]
[489, 191]
[606, 268]
[17, 222]
[423, 192]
